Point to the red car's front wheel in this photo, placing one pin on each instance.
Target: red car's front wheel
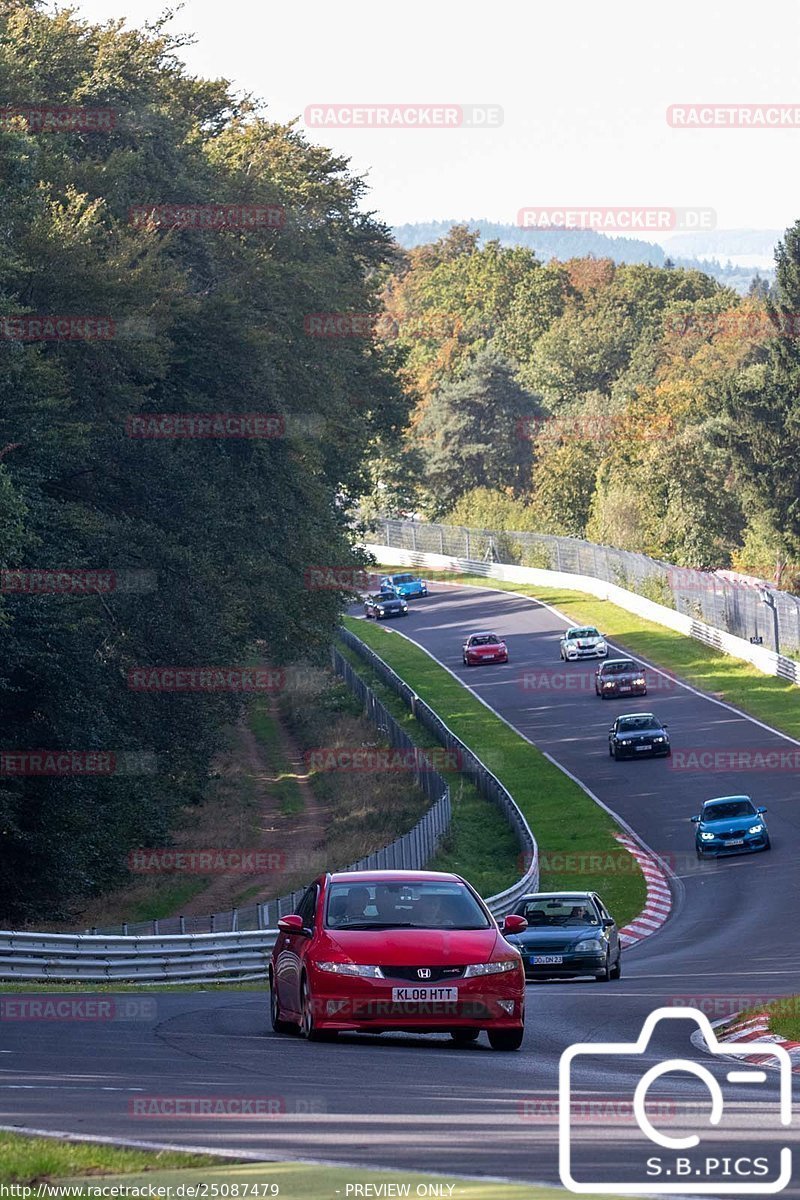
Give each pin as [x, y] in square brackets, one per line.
[506, 1039]
[308, 1027]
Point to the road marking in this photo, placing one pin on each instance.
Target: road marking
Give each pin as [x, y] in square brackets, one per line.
[658, 670]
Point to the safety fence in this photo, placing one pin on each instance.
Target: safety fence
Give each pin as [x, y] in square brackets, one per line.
[236, 944]
[409, 852]
[735, 604]
[470, 765]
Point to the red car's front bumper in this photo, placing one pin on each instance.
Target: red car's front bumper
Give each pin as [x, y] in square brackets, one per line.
[477, 659]
[347, 1003]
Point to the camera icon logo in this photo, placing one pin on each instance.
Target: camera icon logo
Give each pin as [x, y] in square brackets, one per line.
[678, 1170]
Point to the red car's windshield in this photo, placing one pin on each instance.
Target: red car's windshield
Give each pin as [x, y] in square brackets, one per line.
[420, 905]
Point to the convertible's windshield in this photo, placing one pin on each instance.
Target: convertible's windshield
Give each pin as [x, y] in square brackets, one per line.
[567, 910]
[396, 905]
[733, 808]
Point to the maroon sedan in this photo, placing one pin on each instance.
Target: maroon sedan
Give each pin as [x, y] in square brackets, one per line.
[484, 648]
[407, 951]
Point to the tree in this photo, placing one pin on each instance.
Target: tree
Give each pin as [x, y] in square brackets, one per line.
[475, 432]
[763, 404]
[224, 529]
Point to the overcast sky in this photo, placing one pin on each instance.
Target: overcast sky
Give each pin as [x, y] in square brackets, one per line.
[584, 88]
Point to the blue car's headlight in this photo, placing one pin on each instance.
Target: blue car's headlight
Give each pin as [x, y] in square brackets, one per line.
[756, 829]
[707, 837]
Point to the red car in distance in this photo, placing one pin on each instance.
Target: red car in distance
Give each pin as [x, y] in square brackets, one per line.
[484, 648]
[401, 951]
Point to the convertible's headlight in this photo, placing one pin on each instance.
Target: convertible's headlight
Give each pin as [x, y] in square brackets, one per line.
[609, 684]
[625, 742]
[756, 829]
[491, 968]
[707, 837]
[381, 609]
[639, 682]
[658, 739]
[591, 944]
[344, 968]
[405, 608]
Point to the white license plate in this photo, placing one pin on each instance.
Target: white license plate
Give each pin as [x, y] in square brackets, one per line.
[624, 689]
[547, 960]
[735, 842]
[644, 748]
[413, 995]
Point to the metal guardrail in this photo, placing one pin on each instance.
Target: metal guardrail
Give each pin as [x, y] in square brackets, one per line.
[69, 957]
[176, 956]
[409, 852]
[736, 606]
[487, 784]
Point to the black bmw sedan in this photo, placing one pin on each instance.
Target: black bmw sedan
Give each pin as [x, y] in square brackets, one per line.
[636, 734]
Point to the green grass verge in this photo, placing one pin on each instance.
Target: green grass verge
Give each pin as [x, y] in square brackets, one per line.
[24, 1160]
[564, 819]
[784, 1017]
[284, 787]
[480, 844]
[300, 1181]
[772, 700]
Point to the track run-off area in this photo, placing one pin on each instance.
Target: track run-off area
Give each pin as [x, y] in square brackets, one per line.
[423, 1104]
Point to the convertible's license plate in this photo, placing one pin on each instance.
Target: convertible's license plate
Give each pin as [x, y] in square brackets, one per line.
[735, 842]
[413, 995]
[546, 960]
[644, 748]
[624, 689]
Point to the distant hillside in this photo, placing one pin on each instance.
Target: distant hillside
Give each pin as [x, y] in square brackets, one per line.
[579, 243]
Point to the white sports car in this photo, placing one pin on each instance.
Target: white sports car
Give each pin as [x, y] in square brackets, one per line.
[584, 642]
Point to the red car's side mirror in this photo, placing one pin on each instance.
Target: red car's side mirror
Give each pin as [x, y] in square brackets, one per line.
[291, 924]
[514, 923]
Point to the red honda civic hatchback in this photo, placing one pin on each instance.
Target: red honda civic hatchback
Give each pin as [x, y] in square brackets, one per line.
[402, 951]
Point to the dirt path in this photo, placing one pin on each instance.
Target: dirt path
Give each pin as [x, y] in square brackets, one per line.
[297, 837]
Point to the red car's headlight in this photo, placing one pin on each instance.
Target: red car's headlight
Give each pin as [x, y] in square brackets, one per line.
[344, 968]
[491, 968]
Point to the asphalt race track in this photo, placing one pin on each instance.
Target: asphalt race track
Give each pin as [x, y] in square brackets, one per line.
[421, 1103]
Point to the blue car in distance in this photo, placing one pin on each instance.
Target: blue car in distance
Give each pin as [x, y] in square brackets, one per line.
[730, 825]
[407, 586]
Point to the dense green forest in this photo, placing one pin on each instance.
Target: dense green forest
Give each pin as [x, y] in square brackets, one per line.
[580, 243]
[642, 407]
[167, 256]
[192, 319]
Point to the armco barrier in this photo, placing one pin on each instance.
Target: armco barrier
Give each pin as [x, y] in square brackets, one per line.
[201, 958]
[721, 600]
[165, 952]
[763, 659]
[487, 784]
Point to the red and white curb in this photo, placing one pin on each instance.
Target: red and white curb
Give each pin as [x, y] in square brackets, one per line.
[755, 1028]
[659, 897]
